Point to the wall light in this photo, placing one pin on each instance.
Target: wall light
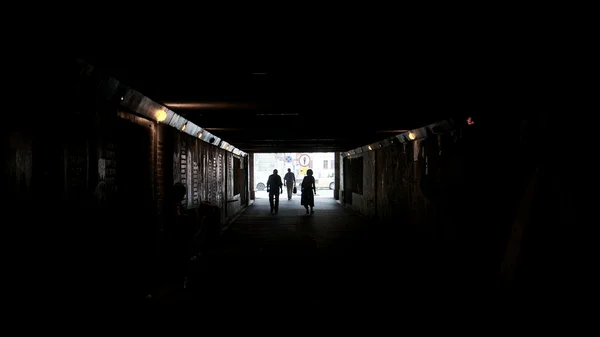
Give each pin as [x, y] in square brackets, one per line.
[161, 115]
[142, 105]
[417, 133]
[120, 91]
[370, 148]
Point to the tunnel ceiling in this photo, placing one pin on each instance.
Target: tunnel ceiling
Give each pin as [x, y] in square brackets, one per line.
[334, 101]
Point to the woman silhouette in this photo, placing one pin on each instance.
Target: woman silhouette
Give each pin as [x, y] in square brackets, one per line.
[308, 187]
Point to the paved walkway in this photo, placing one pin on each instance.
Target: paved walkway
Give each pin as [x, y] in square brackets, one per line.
[331, 231]
[332, 258]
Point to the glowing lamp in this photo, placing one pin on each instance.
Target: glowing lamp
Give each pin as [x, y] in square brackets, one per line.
[161, 115]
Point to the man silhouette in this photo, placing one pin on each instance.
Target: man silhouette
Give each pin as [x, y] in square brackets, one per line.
[274, 185]
[290, 181]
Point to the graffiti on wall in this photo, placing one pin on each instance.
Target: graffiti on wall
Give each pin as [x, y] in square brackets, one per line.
[196, 183]
[107, 174]
[183, 170]
[220, 179]
[212, 185]
[76, 168]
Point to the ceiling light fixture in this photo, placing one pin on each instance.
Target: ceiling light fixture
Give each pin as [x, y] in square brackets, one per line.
[161, 115]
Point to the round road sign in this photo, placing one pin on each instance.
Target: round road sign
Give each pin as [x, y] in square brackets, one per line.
[304, 160]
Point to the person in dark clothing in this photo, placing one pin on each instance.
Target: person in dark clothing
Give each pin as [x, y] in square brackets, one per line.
[290, 181]
[275, 188]
[307, 199]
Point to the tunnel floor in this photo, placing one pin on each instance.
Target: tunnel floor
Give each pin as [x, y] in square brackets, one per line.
[333, 258]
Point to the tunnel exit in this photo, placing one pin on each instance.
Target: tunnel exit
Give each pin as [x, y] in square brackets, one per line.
[321, 163]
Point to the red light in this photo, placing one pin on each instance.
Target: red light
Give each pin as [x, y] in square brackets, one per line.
[470, 121]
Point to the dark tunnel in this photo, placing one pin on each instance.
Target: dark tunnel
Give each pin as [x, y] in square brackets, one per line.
[147, 178]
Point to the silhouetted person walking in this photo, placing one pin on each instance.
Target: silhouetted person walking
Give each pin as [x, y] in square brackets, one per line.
[290, 181]
[275, 188]
[308, 187]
